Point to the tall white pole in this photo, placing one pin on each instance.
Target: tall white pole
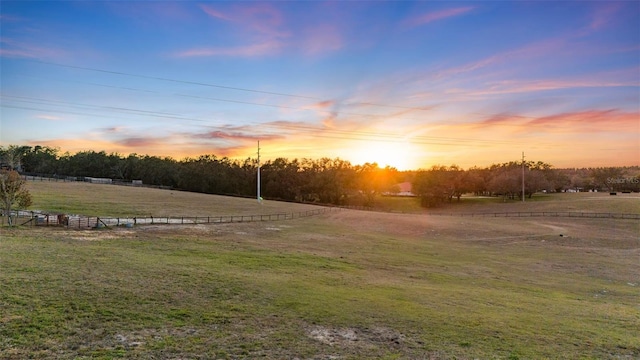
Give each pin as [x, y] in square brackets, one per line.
[259, 198]
[523, 176]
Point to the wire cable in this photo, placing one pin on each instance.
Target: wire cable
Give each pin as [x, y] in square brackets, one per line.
[222, 86]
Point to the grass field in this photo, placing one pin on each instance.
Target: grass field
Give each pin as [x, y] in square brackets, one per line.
[346, 285]
[111, 200]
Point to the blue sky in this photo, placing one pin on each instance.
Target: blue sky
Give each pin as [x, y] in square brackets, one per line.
[406, 84]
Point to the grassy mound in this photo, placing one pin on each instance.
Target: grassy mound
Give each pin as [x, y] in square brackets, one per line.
[346, 285]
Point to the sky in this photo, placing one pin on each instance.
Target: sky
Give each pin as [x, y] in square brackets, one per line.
[404, 84]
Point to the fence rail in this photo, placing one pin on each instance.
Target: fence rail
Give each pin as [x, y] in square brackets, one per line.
[82, 222]
[180, 220]
[28, 218]
[589, 215]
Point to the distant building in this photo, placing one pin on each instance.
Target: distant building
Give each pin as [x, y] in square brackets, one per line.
[98, 180]
[401, 189]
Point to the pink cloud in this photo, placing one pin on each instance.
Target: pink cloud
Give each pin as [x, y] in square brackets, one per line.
[263, 30]
[514, 86]
[136, 142]
[501, 119]
[524, 56]
[10, 18]
[259, 49]
[49, 117]
[588, 121]
[322, 39]
[321, 105]
[328, 128]
[231, 135]
[74, 145]
[261, 19]
[604, 15]
[483, 86]
[530, 51]
[168, 11]
[213, 12]
[113, 129]
[259, 27]
[17, 49]
[437, 15]
[174, 145]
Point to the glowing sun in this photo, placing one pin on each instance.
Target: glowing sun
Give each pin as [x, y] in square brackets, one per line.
[399, 155]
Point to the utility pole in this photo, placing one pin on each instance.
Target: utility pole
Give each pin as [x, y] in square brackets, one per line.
[259, 197]
[523, 176]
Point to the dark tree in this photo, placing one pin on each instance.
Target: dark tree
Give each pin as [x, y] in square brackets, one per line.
[13, 192]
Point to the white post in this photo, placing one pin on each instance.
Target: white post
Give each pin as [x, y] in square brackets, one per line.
[523, 176]
[259, 198]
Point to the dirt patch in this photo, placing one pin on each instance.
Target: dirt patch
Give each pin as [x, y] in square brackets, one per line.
[94, 235]
[555, 228]
[354, 337]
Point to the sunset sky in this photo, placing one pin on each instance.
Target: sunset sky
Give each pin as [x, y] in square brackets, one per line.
[406, 84]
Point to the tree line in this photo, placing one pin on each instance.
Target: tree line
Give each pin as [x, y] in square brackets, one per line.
[326, 181]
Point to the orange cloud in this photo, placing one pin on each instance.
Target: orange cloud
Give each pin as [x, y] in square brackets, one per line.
[235, 135]
[512, 87]
[590, 121]
[75, 145]
[170, 146]
[140, 142]
[500, 119]
[574, 122]
[49, 117]
[321, 105]
[567, 139]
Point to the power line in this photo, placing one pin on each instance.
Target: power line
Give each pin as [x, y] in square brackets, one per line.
[89, 83]
[39, 101]
[335, 112]
[279, 106]
[331, 134]
[223, 86]
[375, 136]
[316, 131]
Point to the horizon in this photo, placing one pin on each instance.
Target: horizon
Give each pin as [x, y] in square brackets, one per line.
[289, 159]
[407, 85]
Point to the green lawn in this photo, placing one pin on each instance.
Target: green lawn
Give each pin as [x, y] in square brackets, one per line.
[315, 288]
[112, 200]
[344, 285]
